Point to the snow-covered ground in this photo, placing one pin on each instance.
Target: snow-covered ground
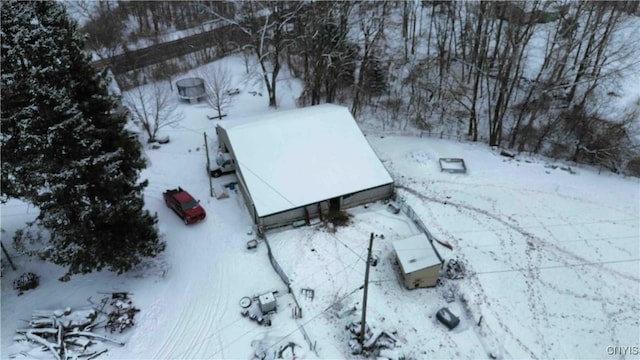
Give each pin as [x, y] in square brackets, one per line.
[552, 257]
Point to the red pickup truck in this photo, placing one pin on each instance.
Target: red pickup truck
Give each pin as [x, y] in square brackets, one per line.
[183, 204]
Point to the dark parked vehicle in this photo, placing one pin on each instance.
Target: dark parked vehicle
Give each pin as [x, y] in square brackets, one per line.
[446, 317]
[183, 204]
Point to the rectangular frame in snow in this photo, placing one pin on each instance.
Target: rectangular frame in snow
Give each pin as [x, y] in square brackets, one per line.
[453, 165]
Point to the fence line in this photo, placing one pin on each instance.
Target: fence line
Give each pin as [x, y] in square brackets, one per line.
[411, 214]
[277, 267]
[283, 276]
[423, 133]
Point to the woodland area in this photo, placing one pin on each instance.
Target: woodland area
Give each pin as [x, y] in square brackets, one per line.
[531, 76]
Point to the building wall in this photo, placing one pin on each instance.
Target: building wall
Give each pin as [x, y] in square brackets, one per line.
[427, 277]
[246, 197]
[225, 146]
[223, 140]
[366, 196]
[351, 200]
[287, 217]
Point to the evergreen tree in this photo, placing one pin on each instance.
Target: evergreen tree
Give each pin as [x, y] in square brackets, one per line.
[64, 148]
[376, 78]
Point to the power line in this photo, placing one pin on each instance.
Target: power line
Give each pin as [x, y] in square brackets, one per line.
[555, 266]
[313, 318]
[344, 270]
[266, 183]
[546, 226]
[534, 268]
[563, 241]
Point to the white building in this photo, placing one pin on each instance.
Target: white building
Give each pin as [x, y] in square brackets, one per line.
[419, 261]
[295, 164]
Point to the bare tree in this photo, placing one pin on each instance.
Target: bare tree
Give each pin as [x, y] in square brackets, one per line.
[266, 26]
[322, 54]
[100, 16]
[372, 20]
[154, 107]
[218, 87]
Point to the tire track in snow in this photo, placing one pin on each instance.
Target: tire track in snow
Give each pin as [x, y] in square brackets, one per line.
[534, 258]
[186, 338]
[529, 236]
[174, 333]
[210, 301]
[577, 228]
[214, 299]
[148, 319]
[503, 186]
[587, 273]
[476, 286]
[225, 268]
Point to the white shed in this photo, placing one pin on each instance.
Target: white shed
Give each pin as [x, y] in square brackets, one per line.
[419, 261]
[296, 164]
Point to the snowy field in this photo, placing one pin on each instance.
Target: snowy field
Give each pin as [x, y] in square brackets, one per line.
[552, 257]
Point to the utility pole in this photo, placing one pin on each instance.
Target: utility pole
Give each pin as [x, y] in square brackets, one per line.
[366, 290]
[8, 257]
[206, 151]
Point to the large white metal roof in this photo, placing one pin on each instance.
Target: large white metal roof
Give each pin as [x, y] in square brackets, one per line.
[415, 253]
[303, 156]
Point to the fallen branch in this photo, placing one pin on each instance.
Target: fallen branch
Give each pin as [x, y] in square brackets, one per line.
[91, 326]
[92, 335]
[61, 346]
[43, 322]
[50, 331]
[80, 342]
[96, 354]
[444, 243]
[50, 313]
[51, 346]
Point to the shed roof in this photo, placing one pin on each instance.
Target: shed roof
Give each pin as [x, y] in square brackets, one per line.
[298, 157]
[415, 253]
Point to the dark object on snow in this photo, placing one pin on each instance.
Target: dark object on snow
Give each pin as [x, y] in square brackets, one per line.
[122, 295]
[133, 135]
[507, 153]
[455, 269]
[234, 91]
[373, 260]
[308, 293]
[213, 117]
[162, 140]
[453, 165]
[231, 185]
[121, 317]
[393, 208]
[446, 317]
[252, 244]
[26, 281]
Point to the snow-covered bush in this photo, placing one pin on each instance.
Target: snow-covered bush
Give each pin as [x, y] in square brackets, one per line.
[26, 281]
